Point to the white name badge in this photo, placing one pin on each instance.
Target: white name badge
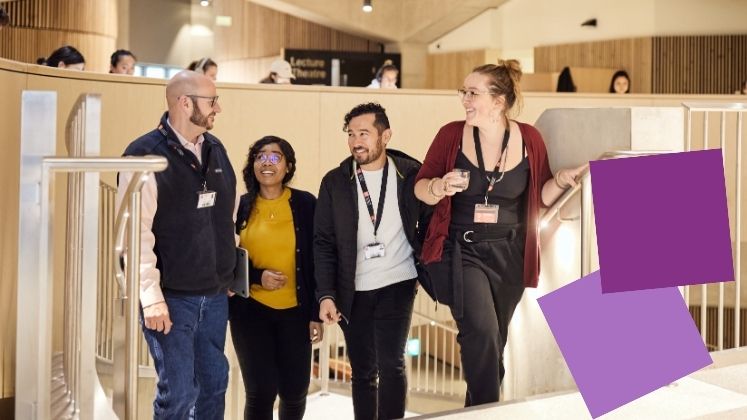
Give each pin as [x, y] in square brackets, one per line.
[375, 250]
[486, 213]
[205, 199]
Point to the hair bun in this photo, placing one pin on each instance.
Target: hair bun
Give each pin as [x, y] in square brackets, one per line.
[513, 67]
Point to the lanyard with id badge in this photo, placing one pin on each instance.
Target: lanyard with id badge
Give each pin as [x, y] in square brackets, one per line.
[488, 213]
[375, 249]
[205, 197]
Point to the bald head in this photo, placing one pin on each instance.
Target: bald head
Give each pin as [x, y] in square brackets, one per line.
[187, 82]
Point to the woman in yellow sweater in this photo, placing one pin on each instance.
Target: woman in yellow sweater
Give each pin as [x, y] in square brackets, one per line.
[273, 329]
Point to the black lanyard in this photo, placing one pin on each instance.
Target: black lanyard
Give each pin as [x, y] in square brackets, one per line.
[375, 218]
[481, 164]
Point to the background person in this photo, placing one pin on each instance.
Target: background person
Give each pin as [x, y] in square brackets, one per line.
[565, 81]
[482, 245]
[274, 328]
[66, 57]
[386, 77]
[206, 66]
[620, 82]
[122, 62]
[281, 73]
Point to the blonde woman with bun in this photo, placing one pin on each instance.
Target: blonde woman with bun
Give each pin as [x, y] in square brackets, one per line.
[482, 245]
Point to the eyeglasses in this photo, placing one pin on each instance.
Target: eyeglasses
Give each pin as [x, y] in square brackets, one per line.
[213, 99]
[272, 157]
[470, 94]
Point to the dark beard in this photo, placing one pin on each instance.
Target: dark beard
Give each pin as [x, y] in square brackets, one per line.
[199, 119]
[372, 155]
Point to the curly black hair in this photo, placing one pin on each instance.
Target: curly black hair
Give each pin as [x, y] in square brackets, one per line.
[250, 180]
[381, 121]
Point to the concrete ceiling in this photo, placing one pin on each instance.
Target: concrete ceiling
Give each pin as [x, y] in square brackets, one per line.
[407, 21]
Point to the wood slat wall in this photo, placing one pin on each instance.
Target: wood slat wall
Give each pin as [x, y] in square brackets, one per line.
[448, 70]
[38, 27]
[632, 55]
[707, 64]
[699, 64]
[259, 32]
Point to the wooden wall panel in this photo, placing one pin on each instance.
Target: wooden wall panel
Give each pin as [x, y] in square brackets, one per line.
[258, 31]
[699, 64]
[707, 64]
[448, 70]
[38, 27]
[632, 55]
[259, 34]
[12, 82]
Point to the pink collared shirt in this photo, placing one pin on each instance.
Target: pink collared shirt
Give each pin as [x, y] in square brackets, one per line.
[150, 277]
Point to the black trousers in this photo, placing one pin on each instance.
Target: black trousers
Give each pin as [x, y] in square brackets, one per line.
[376, 337]
[492, 275]
[274, 352]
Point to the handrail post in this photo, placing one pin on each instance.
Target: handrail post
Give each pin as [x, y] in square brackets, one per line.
[132, 305]
[587, 224]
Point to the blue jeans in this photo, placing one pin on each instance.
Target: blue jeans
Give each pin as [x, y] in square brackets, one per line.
[192, 369]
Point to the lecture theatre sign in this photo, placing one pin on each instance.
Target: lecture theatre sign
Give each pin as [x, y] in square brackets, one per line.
[336, 68]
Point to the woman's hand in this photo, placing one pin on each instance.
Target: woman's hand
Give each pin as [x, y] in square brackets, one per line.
[273, 280]
[450, 184]
[566, 178]
[316, 332]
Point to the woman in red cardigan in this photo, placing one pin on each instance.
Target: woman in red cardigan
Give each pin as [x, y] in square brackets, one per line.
[481, 248]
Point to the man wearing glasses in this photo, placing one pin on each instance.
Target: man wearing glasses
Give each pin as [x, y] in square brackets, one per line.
[187, 251]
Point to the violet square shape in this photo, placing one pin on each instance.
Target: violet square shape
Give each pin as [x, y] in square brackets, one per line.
[621, 346]
[662, 220]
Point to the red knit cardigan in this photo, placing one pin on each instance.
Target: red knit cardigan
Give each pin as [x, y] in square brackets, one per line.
[441, 158]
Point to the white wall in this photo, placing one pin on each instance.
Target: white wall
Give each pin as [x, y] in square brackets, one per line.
[480, 32]
[517, 26]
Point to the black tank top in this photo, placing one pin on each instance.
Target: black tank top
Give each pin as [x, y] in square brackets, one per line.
[508, 194]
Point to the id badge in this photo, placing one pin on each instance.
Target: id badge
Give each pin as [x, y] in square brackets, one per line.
[205, 199]
[486, 213]
[375, 250]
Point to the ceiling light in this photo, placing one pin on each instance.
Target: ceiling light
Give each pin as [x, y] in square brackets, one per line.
[367, 7]
[204, 3]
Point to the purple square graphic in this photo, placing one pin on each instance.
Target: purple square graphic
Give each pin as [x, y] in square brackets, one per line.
[662, 221]
[621, 346]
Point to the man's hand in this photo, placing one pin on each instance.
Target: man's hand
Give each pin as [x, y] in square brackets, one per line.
[273, 280]
[316, 332]
[156, 317]
[328, 312]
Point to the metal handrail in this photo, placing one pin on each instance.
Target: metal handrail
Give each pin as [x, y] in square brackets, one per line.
[584, 186]
[723, 108]
[105, 164]
[142, 166]
[571, 192]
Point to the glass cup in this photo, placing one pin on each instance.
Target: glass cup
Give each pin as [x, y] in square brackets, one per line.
[463, 181]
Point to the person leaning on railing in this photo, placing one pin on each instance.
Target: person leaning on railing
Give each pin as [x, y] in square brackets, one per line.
[481, 248]
[274, 327]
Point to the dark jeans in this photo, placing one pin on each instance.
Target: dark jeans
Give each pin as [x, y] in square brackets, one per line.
[375, 339]
[274, 351]
[492, 273]
[192, 369]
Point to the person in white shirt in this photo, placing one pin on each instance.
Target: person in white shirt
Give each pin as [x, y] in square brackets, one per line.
[368, 230]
